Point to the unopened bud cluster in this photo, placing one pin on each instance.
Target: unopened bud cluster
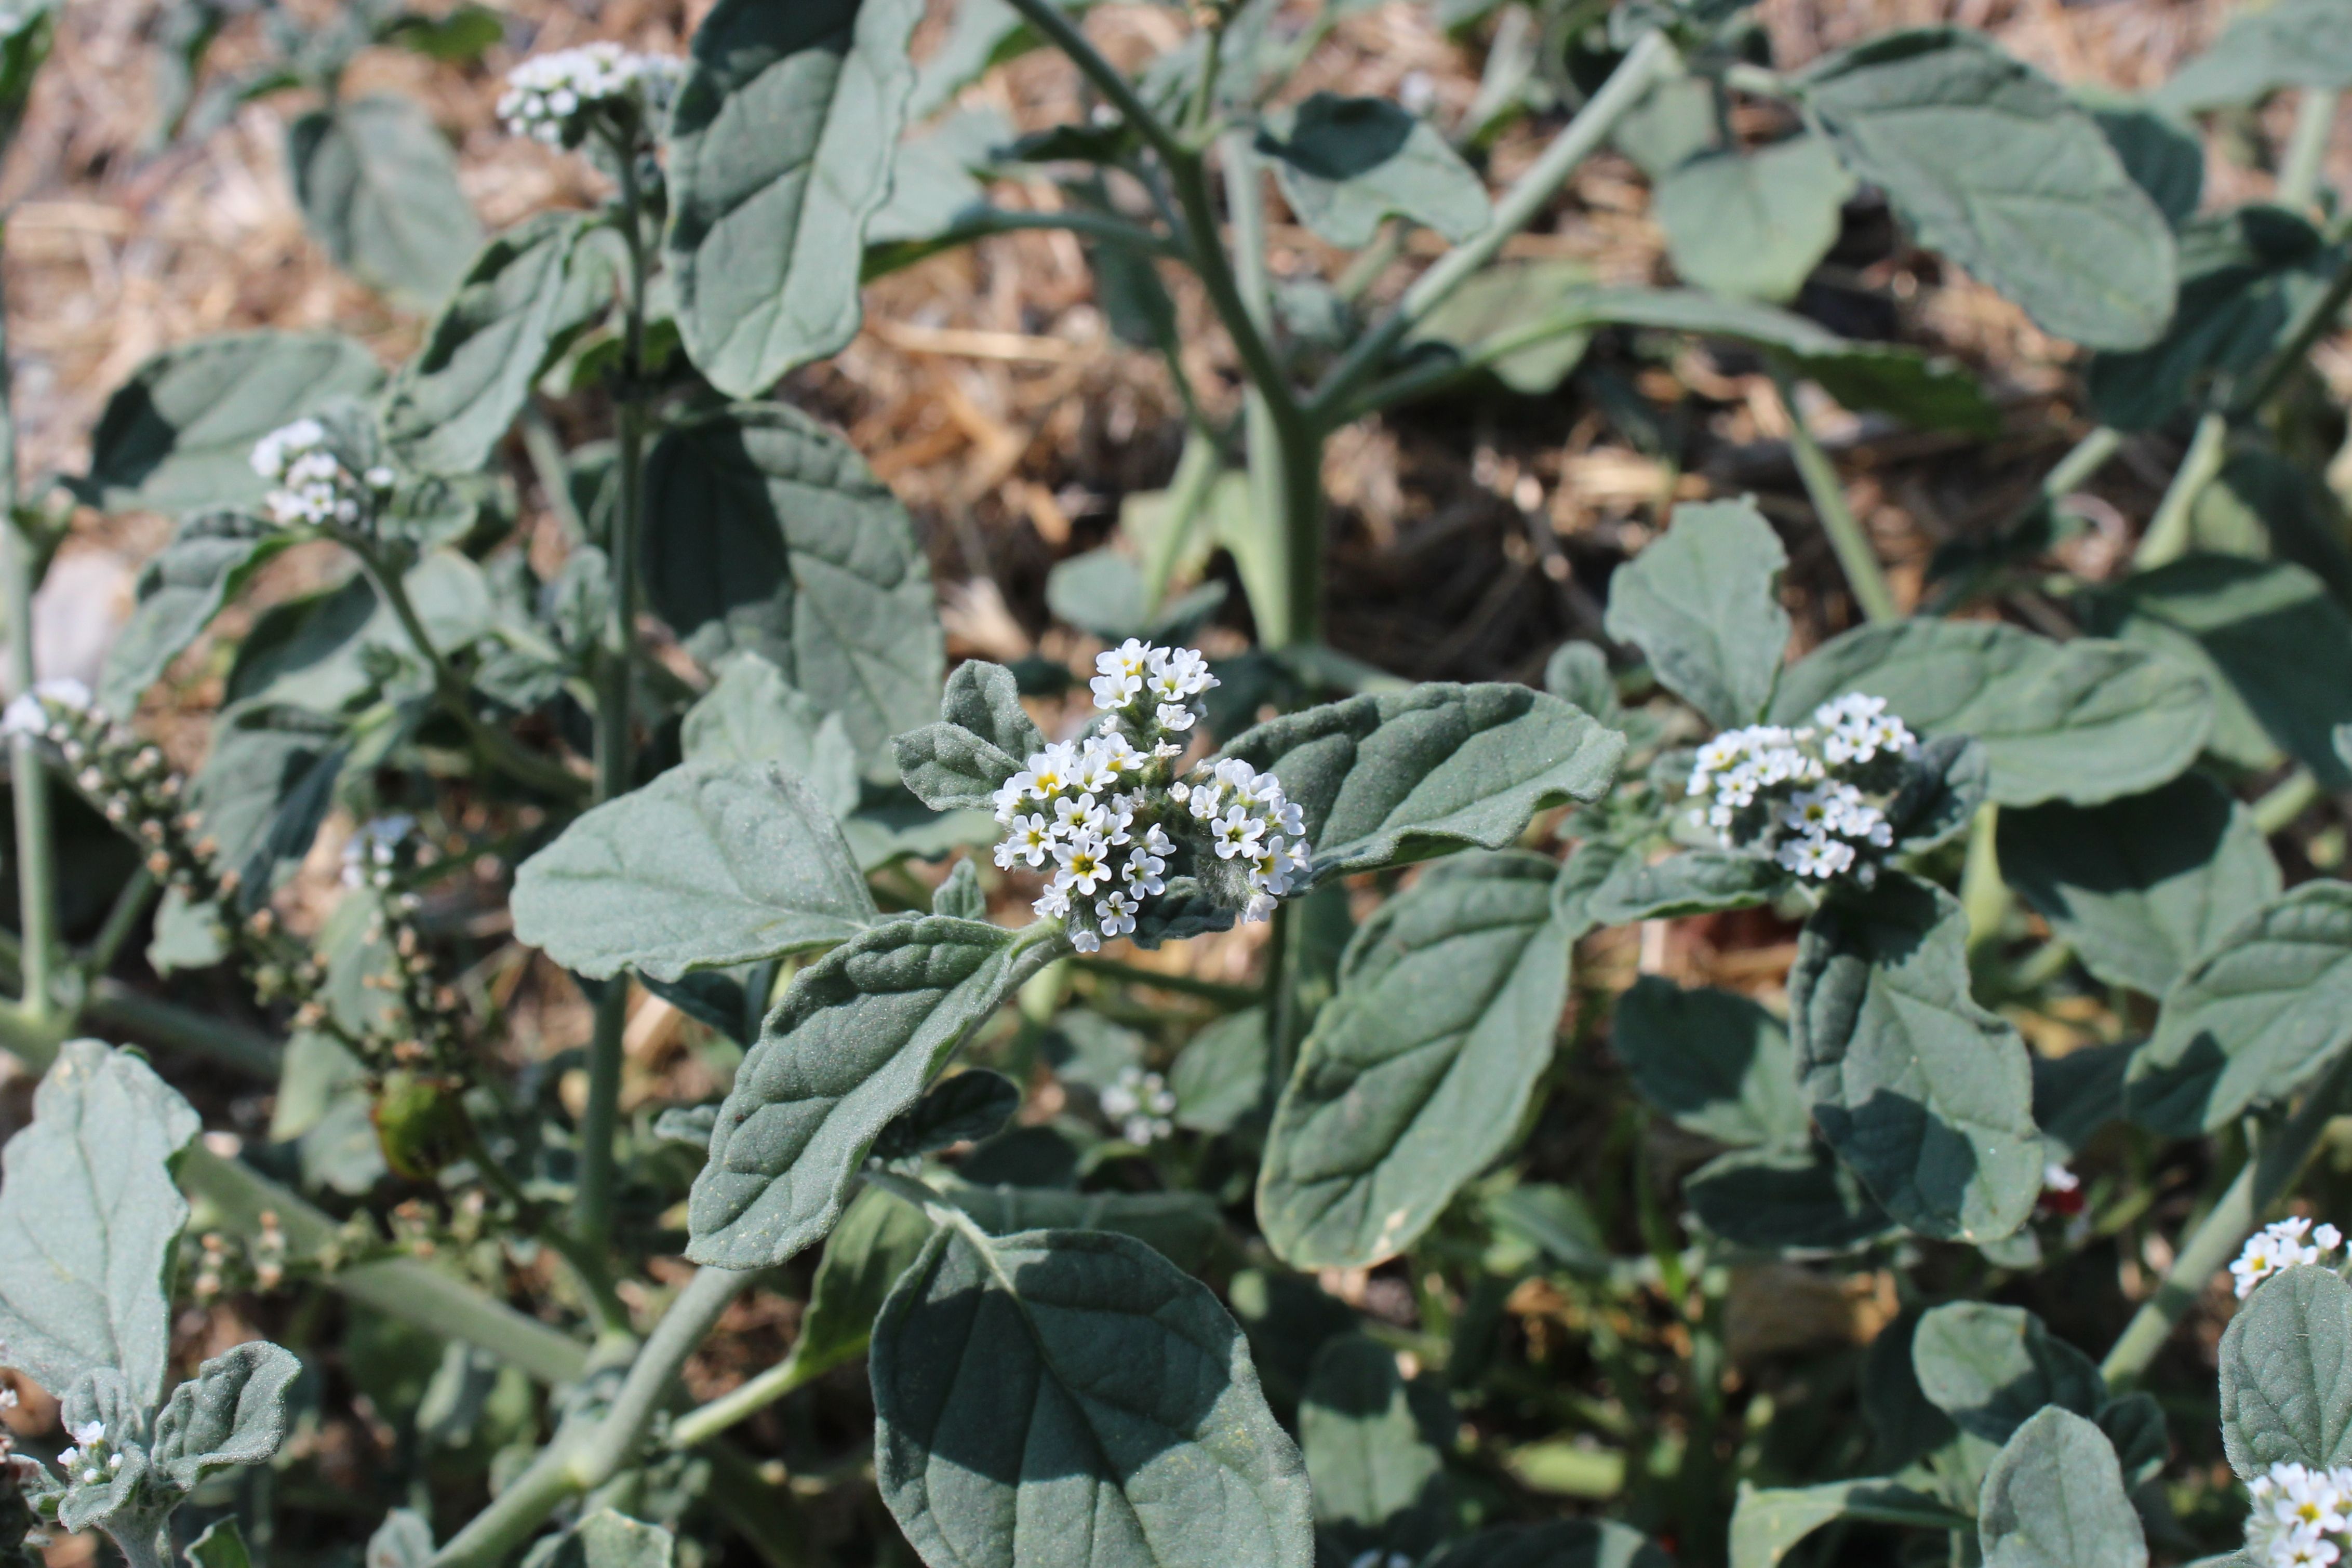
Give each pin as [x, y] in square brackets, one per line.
[1109, 814]
[2300, 1516]
[226, 1263]
[1814, 798]
[313, 483]
[132, 783]
[560, 98]
[2288, 1244]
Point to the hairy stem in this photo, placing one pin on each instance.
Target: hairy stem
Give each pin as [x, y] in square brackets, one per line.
[1651, 58]
[1848, 538]
[2273, 1163]
[2167, 537]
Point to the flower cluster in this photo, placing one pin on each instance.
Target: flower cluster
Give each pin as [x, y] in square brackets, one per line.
[313, 484]
[557, 97]
[1813, 798]
[1143, 1105]
[371, 855]
[2299, 1516]
[131, 782]
[87, 1458]
[2281, 1246]
[1107, 814]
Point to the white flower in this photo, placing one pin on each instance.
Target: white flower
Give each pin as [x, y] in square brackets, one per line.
[1142, 1103]
[1238, 833]
[547, 95]
[1054, 902]
[1084, 941]
[1179, 674]
[87, 1432]
[1122, 669]
[1013, 794]
[1116, 912]
[1141, 871]
[28, 713]
[1175, 716]
[1085, 860]
[2056, 1177]
[2328, 1238]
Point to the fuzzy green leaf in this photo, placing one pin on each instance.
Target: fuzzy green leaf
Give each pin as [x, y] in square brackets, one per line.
[181, 588]
[964, 1108]
[1220, 1077]
[179, 433]
[765, 532]
[1377, 1478]
[1768, 1522]
[1703, 602]
[982, 737]
[1925, 1093]
[1990, 1368]
[2142, 886]
[1562, 1543]
[1990, 162]
[1345, 165]
[1065, 1400]
[609, 1540]
[526, 295]
[2259, 1015]
[2054, 1499]
[1714, 1061]
[1417, 1072]
[2039, 708]
[751, 713]
[1395, 776]
[780, 151]
[2294, 43]
[710, 864]
[1754, 224]
[89, 1219]
[232, 1412]
[378, 185]
[265, 788]
[853, 1044]
[2287, 1375]
[1631, 890]
[1794, 1202]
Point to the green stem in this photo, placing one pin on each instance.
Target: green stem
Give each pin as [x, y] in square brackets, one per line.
[2305, 164]
[579, 1462]
[2317, 321]
[2272, 1165]
[1984, 896]
[412, 1291]
[1188, 494]
[2167, 534]
[2290, 798]
[706, 1421]
[545, 450]
[1056, 26]
[615, 757]
[121, 920]
[116, 1007]
[37, 866]
[1651, 58]
[881, 260]
[1864, 575]
[1183, 985]
[2084, 458]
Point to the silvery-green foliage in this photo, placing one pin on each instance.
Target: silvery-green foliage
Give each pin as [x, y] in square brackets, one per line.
[2293, 44]
[1799, 1202]
[1071, 1399]
[1715, 1062]
[1990, 163]
[180, 590]
[2287, 1375]
[1754, 224]
[751, 713]
[1418, 1072]
[1703, 602]
[378, 187]
[712, 864]
[2055, 1497]
[2261, 1013]
[1346, 163]
[780, 145]
[1378, 1480]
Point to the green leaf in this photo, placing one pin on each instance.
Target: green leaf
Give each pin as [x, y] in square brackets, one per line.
[1926, 1095]
[459, 37]
[2246, 276]
[1418, 1072]
[2286, 1373]
[265, 788]
[2142, 885]
[222, 1545]
[1990, 1368]
[982, 737]
[1703, 602]
[1925, 392]
[751, 713]
[765, 532]
[179, 433]
[1714, 1061]
[1797, 1203]
[780, 151]
[961, 894]
[933, 182]
[379, 189]
[2264, 506]
[1989, 162]
[2055, 1499]
[2259, 1015]
[1754, 224]
[2077, 1095]
[1347, 164]
[609, 1540]
[877, 1238]
[188, 936]
[1102, 591]
[2161, 153]
[530, 291]
[1182, 1227]
[964, 1108]
[1392, 775]
[1768, 1522]
[2268, 639]
[232, 1412]
[2039, 708]
[1220, 1076]
[1501, 301]
[1579, 672]
[181, 588]
[89, 1219]
[2291, 43]
[405, 1539]
[1695, 881]
[1376, 1477]
[1024, 1383]
[1562, 1543]
[710, 864]
[853, 1044]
